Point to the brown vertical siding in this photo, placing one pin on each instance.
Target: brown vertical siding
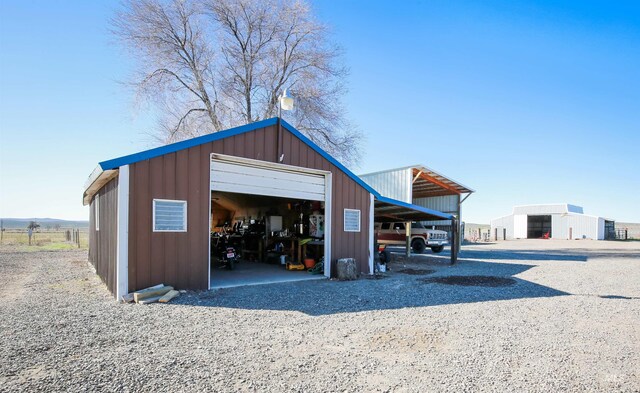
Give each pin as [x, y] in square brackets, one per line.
[102, 243]
[181, 259]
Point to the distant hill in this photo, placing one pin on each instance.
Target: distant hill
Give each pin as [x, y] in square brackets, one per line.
[21, 223]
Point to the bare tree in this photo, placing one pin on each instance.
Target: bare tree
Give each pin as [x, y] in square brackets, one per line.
[33, 225]
[213, 64]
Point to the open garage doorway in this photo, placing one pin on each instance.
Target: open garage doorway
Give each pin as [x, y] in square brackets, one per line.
[539, 227]
[267, 223]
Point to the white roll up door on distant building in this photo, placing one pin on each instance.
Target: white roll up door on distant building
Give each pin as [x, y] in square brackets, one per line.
[254, 178]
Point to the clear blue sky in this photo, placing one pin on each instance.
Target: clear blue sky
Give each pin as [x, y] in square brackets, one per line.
[526, 102]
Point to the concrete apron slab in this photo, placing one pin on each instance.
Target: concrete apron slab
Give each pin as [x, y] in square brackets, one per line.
[256, 273]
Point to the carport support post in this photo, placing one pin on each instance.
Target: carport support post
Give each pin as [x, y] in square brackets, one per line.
[455, 241]
[407, 228]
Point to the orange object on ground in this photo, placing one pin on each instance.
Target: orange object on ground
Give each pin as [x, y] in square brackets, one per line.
[309, 263]
[546, 235]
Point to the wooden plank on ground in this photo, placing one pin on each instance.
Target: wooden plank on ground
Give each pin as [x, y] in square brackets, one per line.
[148, 293]
[128, 298]
[169, 295]
[150, 300]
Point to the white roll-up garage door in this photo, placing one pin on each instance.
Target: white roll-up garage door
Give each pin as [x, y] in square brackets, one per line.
[253, 178]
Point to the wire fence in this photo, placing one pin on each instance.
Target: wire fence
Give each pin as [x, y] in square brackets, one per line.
[62, 238]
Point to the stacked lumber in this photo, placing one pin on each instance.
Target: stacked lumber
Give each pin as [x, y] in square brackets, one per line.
[157, 293]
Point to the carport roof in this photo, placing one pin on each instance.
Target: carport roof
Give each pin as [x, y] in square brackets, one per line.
[391, 210]
[428, 183]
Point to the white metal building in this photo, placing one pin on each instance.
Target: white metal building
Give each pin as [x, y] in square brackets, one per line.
[556, 221]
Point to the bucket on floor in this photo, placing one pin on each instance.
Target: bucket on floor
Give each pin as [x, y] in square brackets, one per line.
[309, 263]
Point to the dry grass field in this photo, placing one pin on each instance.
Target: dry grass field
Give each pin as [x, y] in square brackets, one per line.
[44, 239]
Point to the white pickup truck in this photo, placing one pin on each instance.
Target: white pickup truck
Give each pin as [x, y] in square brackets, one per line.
[421, 237]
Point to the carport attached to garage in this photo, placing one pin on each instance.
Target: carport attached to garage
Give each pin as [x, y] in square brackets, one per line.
[391, 210]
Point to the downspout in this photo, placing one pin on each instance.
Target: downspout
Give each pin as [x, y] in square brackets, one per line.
[279, 158]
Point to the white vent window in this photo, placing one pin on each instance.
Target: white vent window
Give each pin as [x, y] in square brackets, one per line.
[97, 212]
[169, 215]
[351, 220]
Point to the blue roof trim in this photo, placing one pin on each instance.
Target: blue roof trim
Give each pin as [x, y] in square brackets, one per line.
[328, 157]
[414, 207]
[174, 147]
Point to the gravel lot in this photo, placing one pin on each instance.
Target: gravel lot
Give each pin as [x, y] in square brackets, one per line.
[568, 320]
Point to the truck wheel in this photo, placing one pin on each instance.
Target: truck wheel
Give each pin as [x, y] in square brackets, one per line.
[437, 249]
[418, 246]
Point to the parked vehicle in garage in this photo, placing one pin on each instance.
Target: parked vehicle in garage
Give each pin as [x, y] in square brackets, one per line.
[421, 237]
[222, 250]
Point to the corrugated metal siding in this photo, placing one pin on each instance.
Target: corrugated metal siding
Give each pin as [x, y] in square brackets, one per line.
[600, 233]
[558, 227]
[520, 226]
[500, 224]
[446, 203]
[582, 226]
[181, 259]
[394, 184]
[102, 243]
[574, 226]
[533, 210]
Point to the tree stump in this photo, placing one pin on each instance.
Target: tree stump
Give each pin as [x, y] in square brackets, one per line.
[346, 269]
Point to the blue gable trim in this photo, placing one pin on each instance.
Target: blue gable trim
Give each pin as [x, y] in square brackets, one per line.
[174, 147]
[216, 136]
[422, 209]
[328, 157]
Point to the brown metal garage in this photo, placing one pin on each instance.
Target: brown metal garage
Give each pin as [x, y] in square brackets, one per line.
[129, 254]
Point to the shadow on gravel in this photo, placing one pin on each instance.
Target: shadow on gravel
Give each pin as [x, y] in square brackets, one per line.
[396, 291]
[575, 255]
[618, 297]
[526, 255]
[472, 281]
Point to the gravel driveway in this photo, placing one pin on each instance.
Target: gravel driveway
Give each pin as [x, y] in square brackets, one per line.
[522, 316]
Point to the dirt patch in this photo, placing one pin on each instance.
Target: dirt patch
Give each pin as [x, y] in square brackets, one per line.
[396, 343]
[472, 281]
[416, 272]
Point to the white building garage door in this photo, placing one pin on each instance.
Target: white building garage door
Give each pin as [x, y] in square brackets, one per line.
[257, 178]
